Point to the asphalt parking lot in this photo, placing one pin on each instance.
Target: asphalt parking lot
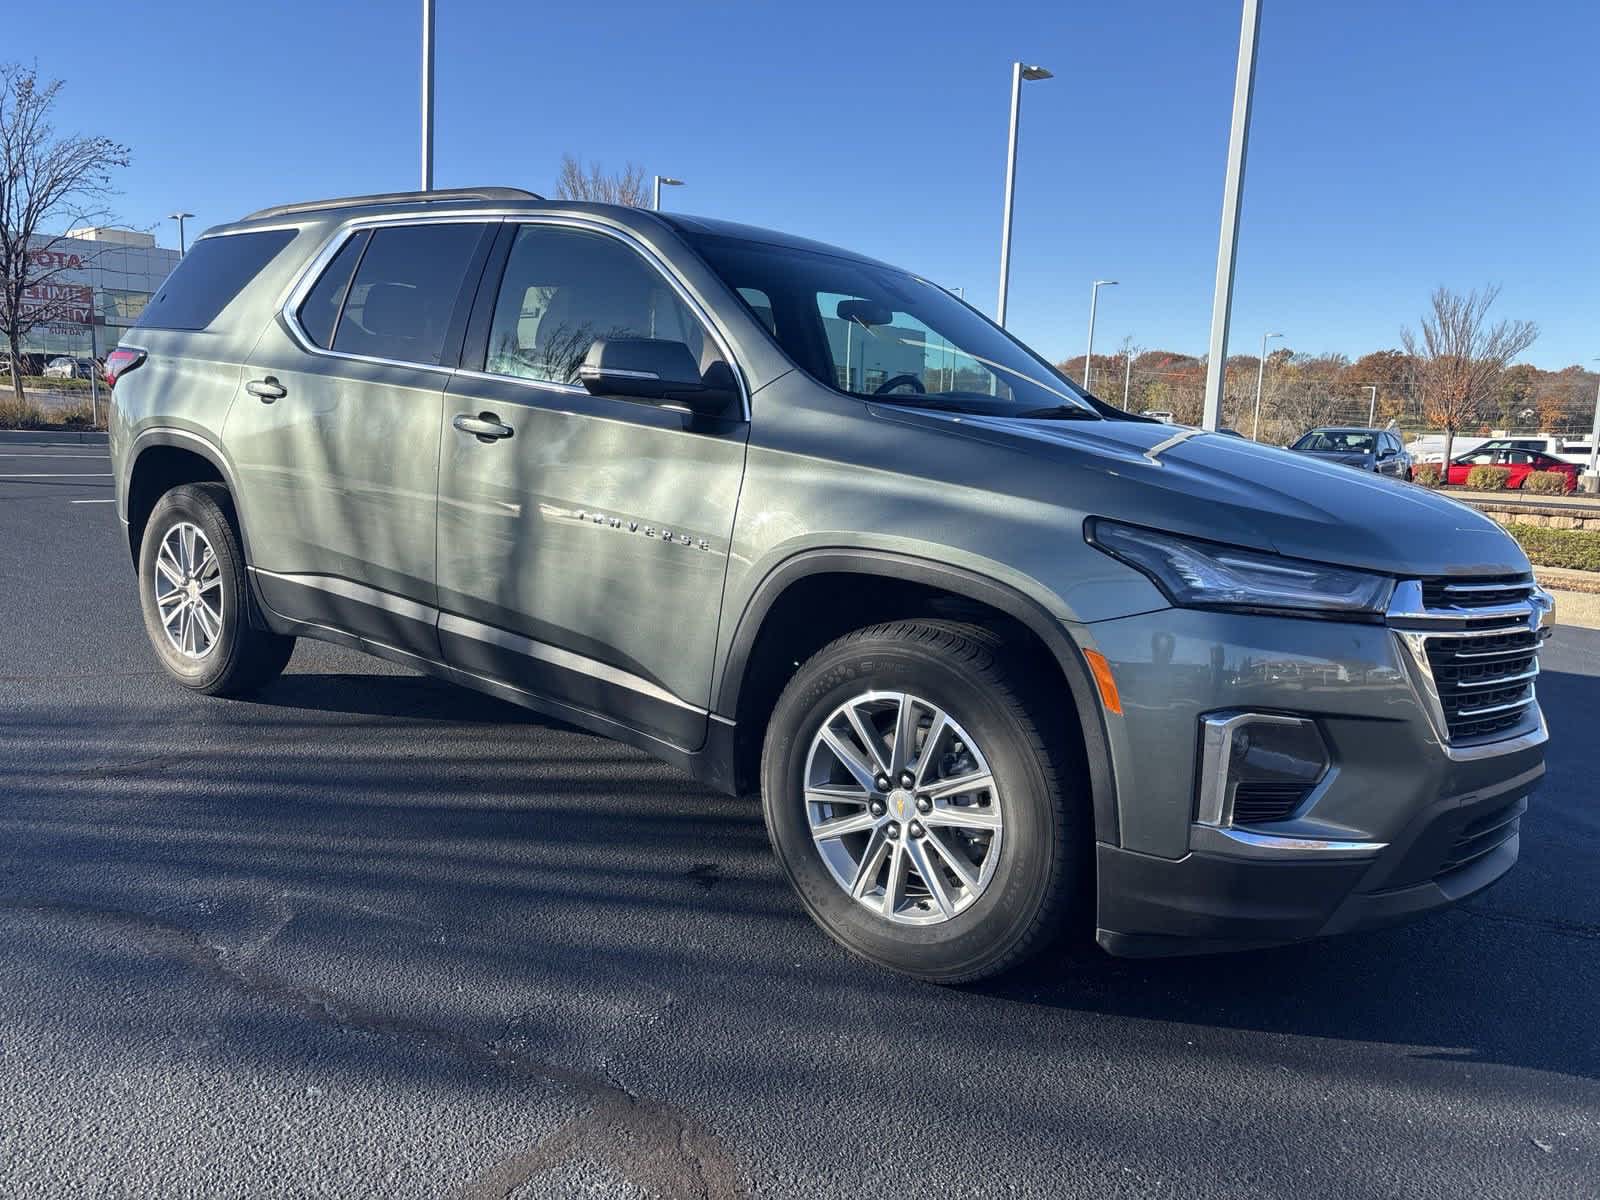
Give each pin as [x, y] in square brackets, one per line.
[371, 935]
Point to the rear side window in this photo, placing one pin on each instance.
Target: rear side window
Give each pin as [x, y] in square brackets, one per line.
[320, 312]
[214, 271]
[404, 293]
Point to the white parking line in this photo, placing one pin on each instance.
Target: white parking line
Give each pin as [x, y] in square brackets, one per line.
[62, 475]
[111, 501]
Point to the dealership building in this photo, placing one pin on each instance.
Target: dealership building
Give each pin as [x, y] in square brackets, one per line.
[102, 274]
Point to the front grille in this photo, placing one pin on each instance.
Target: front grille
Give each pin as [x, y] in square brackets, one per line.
[1477, 640]
[1484, 683]
[1484, 836]
[1482, 592]
[1258, 800]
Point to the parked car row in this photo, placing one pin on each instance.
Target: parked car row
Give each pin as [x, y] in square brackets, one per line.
[73, 368]
[1430, 447]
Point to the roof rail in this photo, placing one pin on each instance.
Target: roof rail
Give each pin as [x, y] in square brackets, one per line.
[433, 197]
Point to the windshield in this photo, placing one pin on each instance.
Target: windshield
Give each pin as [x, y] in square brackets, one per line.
[1348, 440]
[887, 335]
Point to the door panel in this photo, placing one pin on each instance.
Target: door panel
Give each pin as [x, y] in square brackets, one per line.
[337, 453]
[583, 556]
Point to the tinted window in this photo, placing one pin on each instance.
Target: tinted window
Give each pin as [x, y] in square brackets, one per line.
[213, 272]
[1342, 440]
[563, 288]
[320, 312]
[404, 293]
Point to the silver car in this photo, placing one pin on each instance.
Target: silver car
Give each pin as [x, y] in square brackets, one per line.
[1377, 450]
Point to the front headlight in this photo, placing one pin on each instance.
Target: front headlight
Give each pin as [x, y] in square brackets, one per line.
[1198, 574]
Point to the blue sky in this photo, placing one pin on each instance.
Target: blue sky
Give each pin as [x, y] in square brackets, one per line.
[1396, 146]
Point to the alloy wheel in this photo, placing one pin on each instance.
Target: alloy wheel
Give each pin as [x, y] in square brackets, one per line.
[188, 590]
[903, 808]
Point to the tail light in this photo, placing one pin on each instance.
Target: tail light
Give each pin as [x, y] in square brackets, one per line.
[120, 361]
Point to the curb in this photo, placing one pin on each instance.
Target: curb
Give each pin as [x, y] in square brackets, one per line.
[91, 437]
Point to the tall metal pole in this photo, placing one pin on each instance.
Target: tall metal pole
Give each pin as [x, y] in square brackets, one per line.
[1127, 377]
[180, 217]
[1011, 188]
[1244, 85]
[655, 201]
[1261, 375]
[427, 95]
[94, 370]
[1372, 404]
[1088, 358]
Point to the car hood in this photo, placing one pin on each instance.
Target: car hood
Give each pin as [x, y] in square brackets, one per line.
[1231, 490]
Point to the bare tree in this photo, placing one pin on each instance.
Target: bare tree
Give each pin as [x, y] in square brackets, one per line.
[43, 180]
[1460, 357]
[626, 188]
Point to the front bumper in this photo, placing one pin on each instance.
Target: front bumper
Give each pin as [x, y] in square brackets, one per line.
[1405, 822]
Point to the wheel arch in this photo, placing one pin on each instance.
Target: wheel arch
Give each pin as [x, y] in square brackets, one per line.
[162, 459]
[782, 623]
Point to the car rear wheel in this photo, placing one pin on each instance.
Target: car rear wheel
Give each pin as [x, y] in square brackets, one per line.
[195, 597]
[917, 806]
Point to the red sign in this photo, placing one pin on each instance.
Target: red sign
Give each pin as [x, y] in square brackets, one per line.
[55, 258]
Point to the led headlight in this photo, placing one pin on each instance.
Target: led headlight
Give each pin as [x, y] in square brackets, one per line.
[1198, 574]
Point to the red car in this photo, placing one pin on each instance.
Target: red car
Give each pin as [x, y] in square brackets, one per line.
[1521, 463]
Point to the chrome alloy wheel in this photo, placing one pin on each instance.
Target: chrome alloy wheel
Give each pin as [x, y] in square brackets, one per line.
[903, 808]
[188, 590]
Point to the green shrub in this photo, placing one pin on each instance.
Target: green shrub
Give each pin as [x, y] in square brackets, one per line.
[1578, 549]
[1427, 474]
[1547, 483]
[1488, 479]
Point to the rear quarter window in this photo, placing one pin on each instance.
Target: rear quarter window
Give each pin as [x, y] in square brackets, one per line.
[212, 273]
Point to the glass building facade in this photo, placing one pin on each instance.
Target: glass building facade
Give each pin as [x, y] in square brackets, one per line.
[105, 274]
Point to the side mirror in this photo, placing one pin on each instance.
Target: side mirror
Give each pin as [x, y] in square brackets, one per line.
[656, 370]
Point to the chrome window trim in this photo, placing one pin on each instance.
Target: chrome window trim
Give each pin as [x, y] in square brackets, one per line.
[306, 279]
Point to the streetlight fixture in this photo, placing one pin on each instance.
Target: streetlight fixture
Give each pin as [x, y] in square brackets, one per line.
[1088, 358]
[1019, 72]
[663, 181]
[1261, 375]
[180, 218]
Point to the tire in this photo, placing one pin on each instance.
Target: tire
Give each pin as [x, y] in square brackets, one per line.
[1038, 883]
[237, 656]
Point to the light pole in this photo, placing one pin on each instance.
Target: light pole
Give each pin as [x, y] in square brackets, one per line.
[1088, 358]
[1372, 404]
[663, 181]
[1261, 376]
[180, 218]
[1019, 72]
[1244, 85]
[427, 95]
[1127, 375]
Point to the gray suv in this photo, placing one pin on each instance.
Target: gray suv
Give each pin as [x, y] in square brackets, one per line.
[1000, 660]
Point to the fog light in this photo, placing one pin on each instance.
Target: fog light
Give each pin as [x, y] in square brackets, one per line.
[1256, 767]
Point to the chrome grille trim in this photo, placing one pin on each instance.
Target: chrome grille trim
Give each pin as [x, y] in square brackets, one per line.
[1474, 664]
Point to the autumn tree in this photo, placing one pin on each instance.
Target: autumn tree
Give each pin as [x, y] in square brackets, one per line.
[44, 180]
[1459, 357]
[578, 182]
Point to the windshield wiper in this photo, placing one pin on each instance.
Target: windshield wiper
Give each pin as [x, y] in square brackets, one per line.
[1058, 412]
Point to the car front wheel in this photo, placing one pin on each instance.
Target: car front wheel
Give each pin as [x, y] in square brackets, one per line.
[923, 815]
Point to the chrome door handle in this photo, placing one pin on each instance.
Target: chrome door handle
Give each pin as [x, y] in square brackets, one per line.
[266, 390]
[486, 427]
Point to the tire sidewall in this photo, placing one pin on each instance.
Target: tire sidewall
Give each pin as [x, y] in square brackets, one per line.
[193, 504]
[988, 929]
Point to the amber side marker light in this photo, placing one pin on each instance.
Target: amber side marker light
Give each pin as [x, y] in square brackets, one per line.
[1103, 679]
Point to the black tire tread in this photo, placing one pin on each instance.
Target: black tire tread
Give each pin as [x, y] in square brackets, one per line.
[1019, 688]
